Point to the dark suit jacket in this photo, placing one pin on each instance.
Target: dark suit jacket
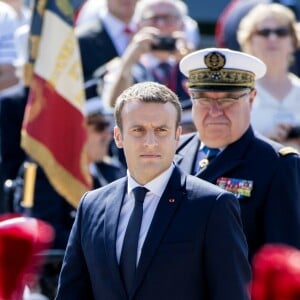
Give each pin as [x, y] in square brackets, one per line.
[96, 47]
[106, 172]
[49, 206]
[195, 247]
[11, 118]
[12, 156]
[272, 212]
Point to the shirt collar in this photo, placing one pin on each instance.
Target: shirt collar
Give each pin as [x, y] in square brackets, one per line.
[155, 186]
[202, 145]
[115, 26]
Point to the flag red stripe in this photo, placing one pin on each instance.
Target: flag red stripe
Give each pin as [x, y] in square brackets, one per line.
[56, 123]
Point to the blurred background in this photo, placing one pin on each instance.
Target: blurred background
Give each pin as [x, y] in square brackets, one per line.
[206, 16]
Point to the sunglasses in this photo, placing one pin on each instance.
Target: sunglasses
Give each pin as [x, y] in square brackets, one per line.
[279, 32]
[100, 126]
[97, 123]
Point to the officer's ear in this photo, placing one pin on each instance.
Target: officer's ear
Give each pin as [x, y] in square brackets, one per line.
[252, 96]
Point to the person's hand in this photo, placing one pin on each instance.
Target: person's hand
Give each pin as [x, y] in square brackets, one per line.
[183, 46]
[141, 43]
[280, 132]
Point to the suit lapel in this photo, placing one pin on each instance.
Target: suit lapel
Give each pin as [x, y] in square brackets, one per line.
[162, 217]
[186, 156]
[219, 166]
[114, 204]
[103, 38]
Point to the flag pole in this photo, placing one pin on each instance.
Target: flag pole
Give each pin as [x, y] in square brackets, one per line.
[29, 185]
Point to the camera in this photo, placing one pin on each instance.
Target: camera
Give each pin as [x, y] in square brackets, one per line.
[164, 43]
[294, 132]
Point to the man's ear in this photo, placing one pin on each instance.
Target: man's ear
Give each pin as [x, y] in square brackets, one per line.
[118, 137]
[178, 133]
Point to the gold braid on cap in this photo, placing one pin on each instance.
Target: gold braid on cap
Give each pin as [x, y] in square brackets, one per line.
[215, 75]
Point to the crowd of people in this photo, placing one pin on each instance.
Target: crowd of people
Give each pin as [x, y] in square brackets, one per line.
[211, 137]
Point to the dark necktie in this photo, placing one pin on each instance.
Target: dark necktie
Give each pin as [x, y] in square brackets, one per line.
[210, 154]
[129, 250]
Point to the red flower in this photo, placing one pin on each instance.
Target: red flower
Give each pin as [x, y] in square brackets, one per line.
[22, 239]
[276, 273]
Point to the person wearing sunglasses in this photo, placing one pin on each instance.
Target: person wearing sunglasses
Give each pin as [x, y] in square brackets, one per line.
[226, 151]
[269, 31]
[104, 166]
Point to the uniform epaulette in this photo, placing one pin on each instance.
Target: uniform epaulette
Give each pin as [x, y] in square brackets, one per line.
[288, 150]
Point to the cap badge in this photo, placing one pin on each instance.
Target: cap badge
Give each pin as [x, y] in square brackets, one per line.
[215, 61]
[217, 73]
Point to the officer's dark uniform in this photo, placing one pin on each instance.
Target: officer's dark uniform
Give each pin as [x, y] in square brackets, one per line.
[268, 175]
[264, 175]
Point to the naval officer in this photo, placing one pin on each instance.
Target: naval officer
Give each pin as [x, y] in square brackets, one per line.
[265, 176]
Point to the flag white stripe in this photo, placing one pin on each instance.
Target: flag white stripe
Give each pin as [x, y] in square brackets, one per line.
[58, 59]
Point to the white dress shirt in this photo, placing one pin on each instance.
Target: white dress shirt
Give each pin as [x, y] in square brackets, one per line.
[267, 111]
[156, 188]
[115, 29]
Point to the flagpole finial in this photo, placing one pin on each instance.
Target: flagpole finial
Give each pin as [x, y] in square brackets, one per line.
[29, 184]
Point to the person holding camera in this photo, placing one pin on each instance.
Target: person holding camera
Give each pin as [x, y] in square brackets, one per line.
[153, 52]
[269, 31]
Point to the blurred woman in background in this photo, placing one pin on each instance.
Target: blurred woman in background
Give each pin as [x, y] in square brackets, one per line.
[269, 32]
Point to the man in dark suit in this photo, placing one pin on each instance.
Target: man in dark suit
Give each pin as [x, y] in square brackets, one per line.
[105, 38]
[104, 165]
[265, 176]
[187, 228]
